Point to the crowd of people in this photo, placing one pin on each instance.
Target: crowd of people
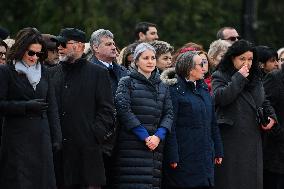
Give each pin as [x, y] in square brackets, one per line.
[83, 114]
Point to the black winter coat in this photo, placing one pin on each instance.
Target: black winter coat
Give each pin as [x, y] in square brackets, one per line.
[273, 141]
[116, 73]
[27, 161]
[195, 139]
[86, 110]
[147, 102]
[236, 102]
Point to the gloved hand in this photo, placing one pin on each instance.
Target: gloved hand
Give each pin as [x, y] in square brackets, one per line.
[36, 106]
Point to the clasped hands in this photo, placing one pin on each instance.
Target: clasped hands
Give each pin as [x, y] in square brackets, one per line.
[152, 142]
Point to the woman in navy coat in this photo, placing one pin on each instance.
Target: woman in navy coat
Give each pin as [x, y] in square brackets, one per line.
[145, 113]
[194, 144]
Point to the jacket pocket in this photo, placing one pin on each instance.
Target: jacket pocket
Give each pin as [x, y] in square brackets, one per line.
[223, 122]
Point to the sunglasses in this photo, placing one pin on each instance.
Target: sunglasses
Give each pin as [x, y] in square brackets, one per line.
[63, 44]
[233, 38]
[32, 53]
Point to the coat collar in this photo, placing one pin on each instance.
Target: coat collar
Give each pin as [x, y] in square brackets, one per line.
[169, 76]
[183, 85]
[154, 78]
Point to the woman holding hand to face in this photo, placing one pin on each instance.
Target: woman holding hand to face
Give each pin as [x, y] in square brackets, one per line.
[145, 114]
[238, 93]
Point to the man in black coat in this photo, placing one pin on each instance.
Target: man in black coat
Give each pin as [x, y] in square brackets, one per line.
[86, 113]
[273, 141]
[104, 54]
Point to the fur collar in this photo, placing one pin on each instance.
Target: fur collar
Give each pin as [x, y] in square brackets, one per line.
[169, 76]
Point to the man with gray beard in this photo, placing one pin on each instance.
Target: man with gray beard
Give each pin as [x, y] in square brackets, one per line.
[86, 110]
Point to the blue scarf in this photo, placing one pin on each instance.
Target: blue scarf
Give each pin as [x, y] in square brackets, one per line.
[33, 73]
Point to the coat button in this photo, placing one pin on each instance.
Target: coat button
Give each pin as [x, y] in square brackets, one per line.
[66, 86]
[63, 113]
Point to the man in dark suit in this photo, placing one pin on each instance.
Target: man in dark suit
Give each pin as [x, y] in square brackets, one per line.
[86, 111]
[104, 54]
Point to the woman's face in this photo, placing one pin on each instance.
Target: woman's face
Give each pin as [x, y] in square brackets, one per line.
[198, 71]
[32, 54]
[218, 58]
[164, 61]
[205, 62]
[243, 59]
[146, 62]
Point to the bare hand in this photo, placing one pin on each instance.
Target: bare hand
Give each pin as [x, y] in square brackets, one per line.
[269, 125]
[153, 142]
[218, 160]
[244, 71]
[173, 165]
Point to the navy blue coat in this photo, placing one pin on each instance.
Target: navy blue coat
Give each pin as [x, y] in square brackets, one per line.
[140, 101]
[195, 138]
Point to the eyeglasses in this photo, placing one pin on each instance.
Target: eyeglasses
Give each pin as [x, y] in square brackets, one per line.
[281, 59]
[63, 44]
[202, 63]
[233, 38]
[32, 53]
[2, 54]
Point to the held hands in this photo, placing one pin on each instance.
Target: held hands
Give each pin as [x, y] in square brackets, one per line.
[244, 71]
[218, 161]
[152, 142]
[269, 125]
[173, 165]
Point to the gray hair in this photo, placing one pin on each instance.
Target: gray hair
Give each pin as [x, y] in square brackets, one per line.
[185, 63]
[280, 52]
[217, 46]
[161, 47]
[140, 49]
[97, 35]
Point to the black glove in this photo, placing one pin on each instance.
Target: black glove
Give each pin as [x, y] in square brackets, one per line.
[36, 106]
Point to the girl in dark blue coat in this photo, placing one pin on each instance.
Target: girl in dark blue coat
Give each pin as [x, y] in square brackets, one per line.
[194, 144]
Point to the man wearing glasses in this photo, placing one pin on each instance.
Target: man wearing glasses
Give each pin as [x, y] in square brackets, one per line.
[86, 110]
[229, 34]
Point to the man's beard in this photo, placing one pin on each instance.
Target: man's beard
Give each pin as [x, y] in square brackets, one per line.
[67, 57]
[63, 58]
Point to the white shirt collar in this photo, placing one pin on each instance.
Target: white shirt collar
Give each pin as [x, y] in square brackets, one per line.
[105, 63]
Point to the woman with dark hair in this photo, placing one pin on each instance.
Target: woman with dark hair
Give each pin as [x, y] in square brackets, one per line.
[238, 94]
[194, 144]
[144, 110]
[31, 123]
